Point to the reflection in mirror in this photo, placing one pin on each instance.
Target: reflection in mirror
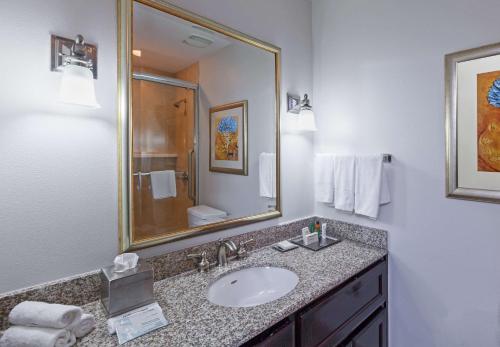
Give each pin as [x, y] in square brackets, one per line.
[203, 127]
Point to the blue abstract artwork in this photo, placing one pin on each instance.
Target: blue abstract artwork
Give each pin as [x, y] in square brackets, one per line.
[494, 94]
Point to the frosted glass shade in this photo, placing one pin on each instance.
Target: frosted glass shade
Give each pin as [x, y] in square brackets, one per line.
[77, 86]
[306, 121]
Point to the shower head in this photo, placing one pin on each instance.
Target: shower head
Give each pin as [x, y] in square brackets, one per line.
[178, 103]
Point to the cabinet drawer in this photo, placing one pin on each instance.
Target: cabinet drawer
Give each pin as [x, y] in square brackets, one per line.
[281, 335]
[330, 313]
[373, 333]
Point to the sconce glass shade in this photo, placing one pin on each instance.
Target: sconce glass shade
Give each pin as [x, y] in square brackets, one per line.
[77, 86]
[306, 121]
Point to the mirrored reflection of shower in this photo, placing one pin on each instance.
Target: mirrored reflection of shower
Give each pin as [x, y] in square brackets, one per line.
[163, 117]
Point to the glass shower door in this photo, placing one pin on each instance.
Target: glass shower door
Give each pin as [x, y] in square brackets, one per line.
[163, 167]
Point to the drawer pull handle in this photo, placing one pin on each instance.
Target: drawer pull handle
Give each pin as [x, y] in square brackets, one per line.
[356, 288]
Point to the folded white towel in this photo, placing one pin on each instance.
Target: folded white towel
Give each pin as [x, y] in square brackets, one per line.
[19, 336]
[343, 173]
[323, 178]
[84, 326]
[41, 314]
[267, 175]
[163, 184]
[371, 185]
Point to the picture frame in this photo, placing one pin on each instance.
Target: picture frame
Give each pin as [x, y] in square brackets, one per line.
[472, 99]
[228, 150]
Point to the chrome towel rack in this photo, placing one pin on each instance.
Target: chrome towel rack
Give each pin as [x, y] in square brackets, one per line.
[179, 174]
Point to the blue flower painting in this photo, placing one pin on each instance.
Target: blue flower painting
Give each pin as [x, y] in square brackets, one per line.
[228, 125]
[226, 140]
[494, 94]
[488, 121]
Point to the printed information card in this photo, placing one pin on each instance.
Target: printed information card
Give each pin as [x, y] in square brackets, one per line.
[139, 322]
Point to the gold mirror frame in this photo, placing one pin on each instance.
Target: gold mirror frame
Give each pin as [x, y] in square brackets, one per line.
[124, 11]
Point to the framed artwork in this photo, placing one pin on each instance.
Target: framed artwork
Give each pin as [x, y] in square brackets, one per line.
[228, 138]
[473, 124]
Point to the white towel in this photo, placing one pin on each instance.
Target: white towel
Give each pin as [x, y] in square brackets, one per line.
[163, 184]
[19, 336]
[41, 314]
[267, 175]
[343, 173]
[83, 326]
[323, 178]
[371, 185]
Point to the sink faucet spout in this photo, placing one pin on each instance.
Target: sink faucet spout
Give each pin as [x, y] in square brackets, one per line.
[222, 250]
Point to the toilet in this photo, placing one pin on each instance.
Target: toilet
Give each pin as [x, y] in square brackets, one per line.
[202, 215]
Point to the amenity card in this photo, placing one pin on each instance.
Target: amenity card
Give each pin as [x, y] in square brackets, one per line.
[139, 322]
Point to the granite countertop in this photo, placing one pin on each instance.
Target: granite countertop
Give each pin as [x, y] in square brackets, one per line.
[194, 321]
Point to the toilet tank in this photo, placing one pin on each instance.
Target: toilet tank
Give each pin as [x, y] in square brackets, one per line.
[202, 215]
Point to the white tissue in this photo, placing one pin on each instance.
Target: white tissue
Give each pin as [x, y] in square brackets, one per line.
[125, 261]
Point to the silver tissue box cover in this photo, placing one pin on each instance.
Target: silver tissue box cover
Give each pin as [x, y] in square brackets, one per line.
[124, 291]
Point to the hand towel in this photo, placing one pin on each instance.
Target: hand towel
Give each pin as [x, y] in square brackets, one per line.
[20, 336]
[343, 175]
[84, 326]
[163, 184]
[267, 175]
[371, 185]
[41, 314]
[323, 178]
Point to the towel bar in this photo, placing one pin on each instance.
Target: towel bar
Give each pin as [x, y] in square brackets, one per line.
[181, 174]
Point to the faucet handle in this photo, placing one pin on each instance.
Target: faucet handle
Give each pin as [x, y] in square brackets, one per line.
[242, 251]
[202, 262]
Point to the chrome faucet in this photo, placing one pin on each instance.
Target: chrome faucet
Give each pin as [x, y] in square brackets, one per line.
[223, 247]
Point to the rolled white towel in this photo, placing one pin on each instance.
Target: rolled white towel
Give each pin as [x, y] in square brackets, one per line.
[19, 336]
[41, 314]
[83, 326]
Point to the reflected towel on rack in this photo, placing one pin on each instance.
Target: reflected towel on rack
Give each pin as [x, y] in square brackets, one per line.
[267, 175]
[163, 184]
[371, 188]
[343, 173]
[323, 178]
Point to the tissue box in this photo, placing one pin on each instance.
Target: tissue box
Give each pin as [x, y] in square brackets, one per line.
[124, 291]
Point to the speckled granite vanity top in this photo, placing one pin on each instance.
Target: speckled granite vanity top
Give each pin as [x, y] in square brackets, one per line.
[194, 321]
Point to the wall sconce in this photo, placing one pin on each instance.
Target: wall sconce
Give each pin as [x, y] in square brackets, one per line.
[78, 62]
[305, 115]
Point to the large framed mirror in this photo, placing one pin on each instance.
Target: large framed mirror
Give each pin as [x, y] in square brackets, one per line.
[199, 139]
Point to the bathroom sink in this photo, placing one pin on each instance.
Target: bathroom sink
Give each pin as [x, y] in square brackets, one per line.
[251, 287]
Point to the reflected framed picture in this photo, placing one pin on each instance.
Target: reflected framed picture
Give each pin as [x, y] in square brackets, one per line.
[473, 124]
[228, 138]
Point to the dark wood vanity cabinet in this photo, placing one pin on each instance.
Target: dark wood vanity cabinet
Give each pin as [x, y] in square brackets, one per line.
[351, 315]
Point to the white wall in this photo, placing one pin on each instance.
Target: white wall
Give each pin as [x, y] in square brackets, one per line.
[235, 73]
[58, 176]
[378, 86]
[58, 201]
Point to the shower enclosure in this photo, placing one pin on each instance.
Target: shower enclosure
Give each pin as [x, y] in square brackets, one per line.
[164, 156]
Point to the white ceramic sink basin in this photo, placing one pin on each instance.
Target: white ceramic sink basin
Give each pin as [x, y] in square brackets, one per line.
[251, 287]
